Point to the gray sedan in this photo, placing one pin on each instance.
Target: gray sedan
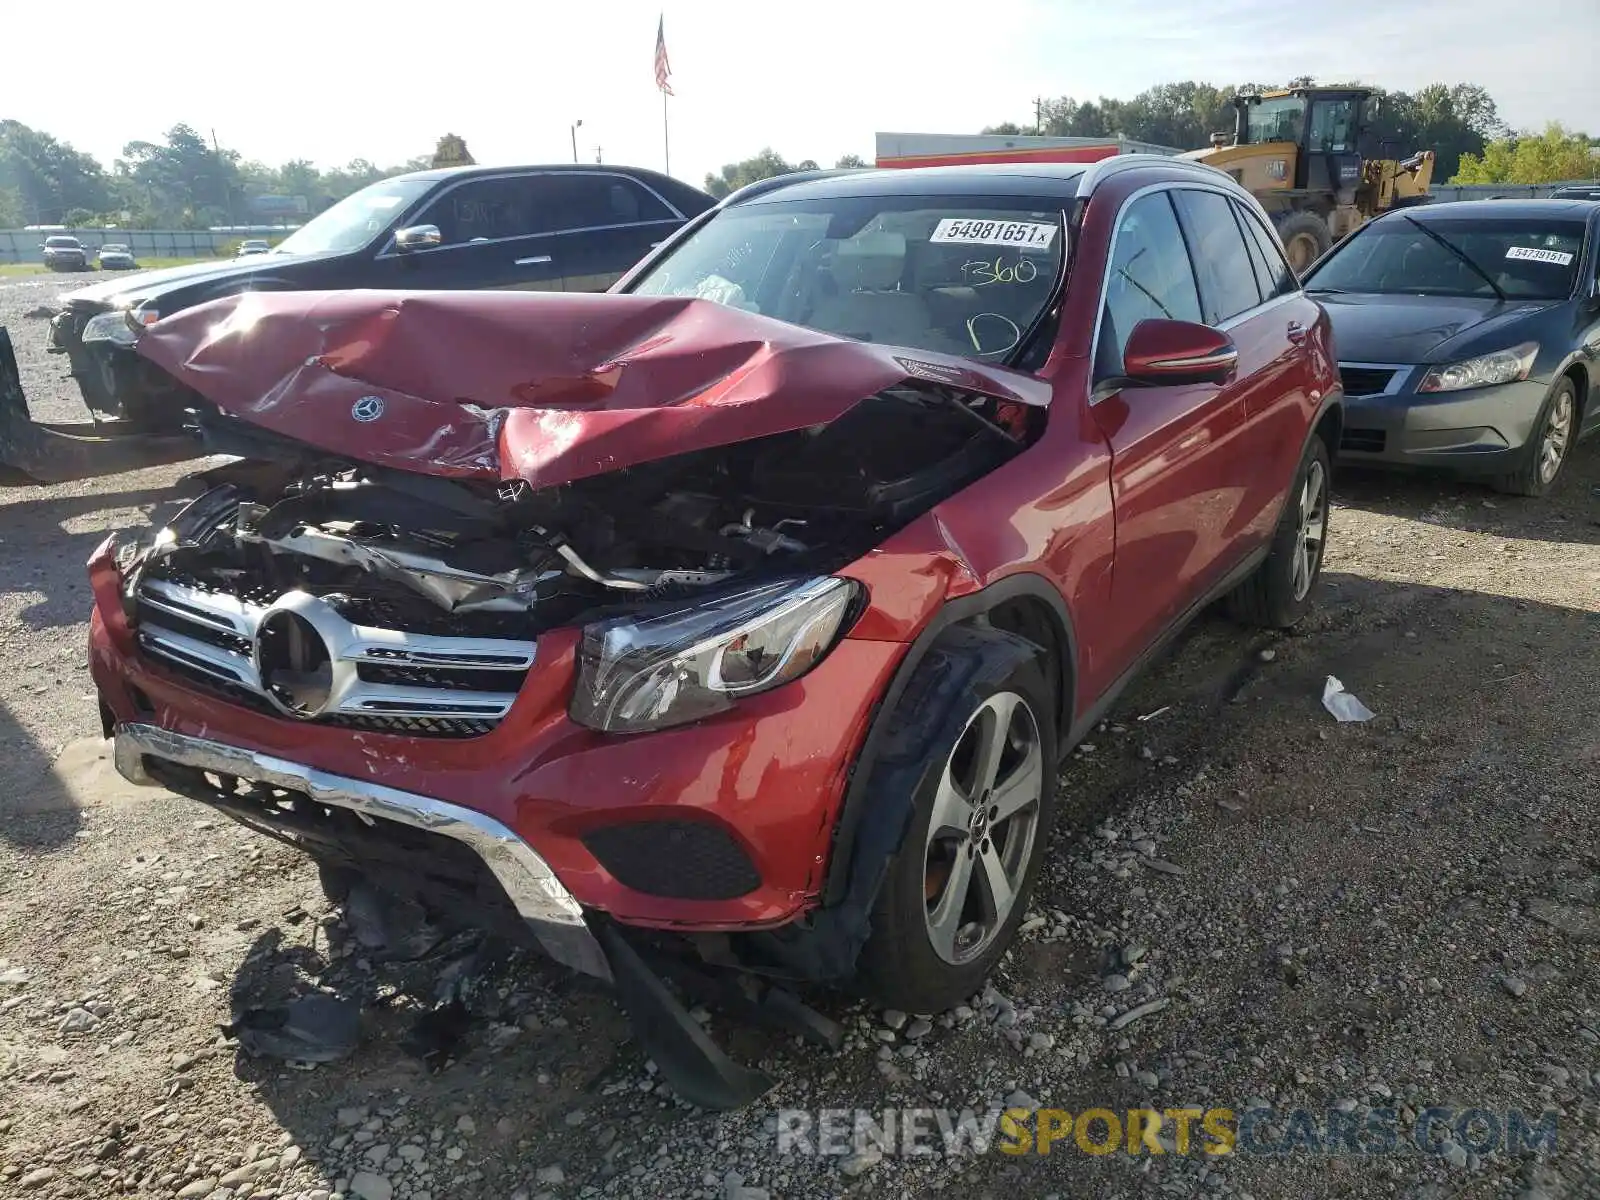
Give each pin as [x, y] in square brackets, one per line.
[1467, 337]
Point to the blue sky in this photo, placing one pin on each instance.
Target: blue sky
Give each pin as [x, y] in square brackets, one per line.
[348, 78]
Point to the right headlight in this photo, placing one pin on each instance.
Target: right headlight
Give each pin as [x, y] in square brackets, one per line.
[638, 674]
[1487, 370]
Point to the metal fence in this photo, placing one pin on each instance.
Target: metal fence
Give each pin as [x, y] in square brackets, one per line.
[1442, 192]
[26, 245]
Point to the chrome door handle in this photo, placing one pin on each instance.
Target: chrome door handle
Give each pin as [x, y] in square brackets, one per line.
[534, 261]
[1297, 331]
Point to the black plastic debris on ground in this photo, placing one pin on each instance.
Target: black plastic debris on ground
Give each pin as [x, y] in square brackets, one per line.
[314, 1028]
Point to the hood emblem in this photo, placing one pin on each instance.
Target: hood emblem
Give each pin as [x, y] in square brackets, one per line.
[368, 408]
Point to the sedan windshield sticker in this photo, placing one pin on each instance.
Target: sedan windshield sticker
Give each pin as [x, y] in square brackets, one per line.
[1559, 257]
[1028, 235]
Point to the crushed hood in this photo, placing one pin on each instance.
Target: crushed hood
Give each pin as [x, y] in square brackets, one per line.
[546, 388]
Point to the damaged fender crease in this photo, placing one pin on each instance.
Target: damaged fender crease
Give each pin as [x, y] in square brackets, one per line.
[548, 388]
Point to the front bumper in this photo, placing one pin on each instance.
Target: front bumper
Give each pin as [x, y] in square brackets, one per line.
[1478, 431]
[555, 917]
[619, 820]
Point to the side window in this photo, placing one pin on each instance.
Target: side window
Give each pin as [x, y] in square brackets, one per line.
[1280, 278]
[1149, 276]
[592, 201]
[503, 206]
[1227, 280]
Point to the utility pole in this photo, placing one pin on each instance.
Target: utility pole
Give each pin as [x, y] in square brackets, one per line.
[1038, 115]
[597, 157]
[573, 129]
[222, 176]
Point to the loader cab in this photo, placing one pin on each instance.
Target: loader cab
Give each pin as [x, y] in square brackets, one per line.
[1324, 126]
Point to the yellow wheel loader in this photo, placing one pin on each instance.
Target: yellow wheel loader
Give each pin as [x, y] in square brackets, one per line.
[1297, 151]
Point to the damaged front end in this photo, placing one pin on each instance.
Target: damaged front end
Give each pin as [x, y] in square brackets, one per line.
[678, 493]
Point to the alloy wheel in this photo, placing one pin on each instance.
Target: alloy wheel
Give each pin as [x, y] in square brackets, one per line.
[1557, 433]
[984, 824]
[1312, 532]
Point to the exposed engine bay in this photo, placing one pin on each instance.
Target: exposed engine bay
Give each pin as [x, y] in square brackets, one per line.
[432, 555]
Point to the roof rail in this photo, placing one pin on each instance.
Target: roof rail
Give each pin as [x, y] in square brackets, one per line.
[1108, 168]
[762, 186]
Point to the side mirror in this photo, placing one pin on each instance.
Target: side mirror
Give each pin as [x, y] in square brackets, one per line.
[1170, 353]
[417, 237]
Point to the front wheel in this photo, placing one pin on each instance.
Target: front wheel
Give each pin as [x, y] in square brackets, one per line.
[958, 887]
[1279, 592]
[1553, 435]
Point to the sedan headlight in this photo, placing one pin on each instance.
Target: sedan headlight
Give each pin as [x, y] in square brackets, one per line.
[122, 325]
[1503, 366]
[638, 674]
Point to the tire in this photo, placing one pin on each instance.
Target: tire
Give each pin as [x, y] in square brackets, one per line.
[1278, 592]
[1547, 450]
[1306, 238]
[900, 965]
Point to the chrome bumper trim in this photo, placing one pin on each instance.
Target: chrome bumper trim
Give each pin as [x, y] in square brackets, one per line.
[538, 895]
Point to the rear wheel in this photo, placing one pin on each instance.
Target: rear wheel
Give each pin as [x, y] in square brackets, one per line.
[960, 883]
[1306, 238]
[1553, 435]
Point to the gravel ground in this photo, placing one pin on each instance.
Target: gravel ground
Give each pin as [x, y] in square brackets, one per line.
[1245, 904]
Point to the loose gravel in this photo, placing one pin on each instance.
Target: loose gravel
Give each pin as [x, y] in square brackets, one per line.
[1245, 904]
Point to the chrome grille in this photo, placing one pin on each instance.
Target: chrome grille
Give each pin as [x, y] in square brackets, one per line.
[380, 679]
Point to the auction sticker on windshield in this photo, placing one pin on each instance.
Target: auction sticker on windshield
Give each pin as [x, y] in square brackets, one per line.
[1029, 235]
[1559, 257]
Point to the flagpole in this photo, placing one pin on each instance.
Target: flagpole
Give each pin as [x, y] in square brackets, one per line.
[666, 136]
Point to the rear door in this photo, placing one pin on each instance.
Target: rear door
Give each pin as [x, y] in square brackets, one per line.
[496, 231]
[605, 223]
[1178, 468]
[1267, 321]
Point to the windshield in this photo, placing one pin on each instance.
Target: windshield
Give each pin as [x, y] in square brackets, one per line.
[960, 275]
[1520, 259]
[355, 220]
[1280, 120]
[62, 243]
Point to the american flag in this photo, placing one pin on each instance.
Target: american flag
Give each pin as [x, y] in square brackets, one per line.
[663, 67]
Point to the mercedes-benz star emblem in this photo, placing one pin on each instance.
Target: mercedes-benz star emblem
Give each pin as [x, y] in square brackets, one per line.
[368, 408]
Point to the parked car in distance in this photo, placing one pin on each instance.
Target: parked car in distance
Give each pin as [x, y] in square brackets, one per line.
[746, 611]
[253, 246]
[114, 256]
[1576, 192]
[1466, 336]
[559, 228]
[63, 252]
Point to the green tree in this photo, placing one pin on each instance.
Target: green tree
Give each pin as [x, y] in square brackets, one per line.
[46, 178]
[1550, 157]
[849, 161]
[452, 152]
[734, 176]
[182, 181]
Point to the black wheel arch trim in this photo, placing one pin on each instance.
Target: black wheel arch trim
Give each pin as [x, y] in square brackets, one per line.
[1023, 585]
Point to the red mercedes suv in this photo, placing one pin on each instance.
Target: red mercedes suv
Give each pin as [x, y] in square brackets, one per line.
[743, 614]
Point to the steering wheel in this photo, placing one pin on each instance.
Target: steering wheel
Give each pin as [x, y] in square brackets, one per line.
[985, 343]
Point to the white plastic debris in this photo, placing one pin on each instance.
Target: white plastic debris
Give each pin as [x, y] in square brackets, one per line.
[1343, 705]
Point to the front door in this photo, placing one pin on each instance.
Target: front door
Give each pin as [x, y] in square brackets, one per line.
[1177, 469]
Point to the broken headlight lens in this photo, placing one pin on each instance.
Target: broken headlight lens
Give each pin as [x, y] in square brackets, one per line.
[637, 674]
